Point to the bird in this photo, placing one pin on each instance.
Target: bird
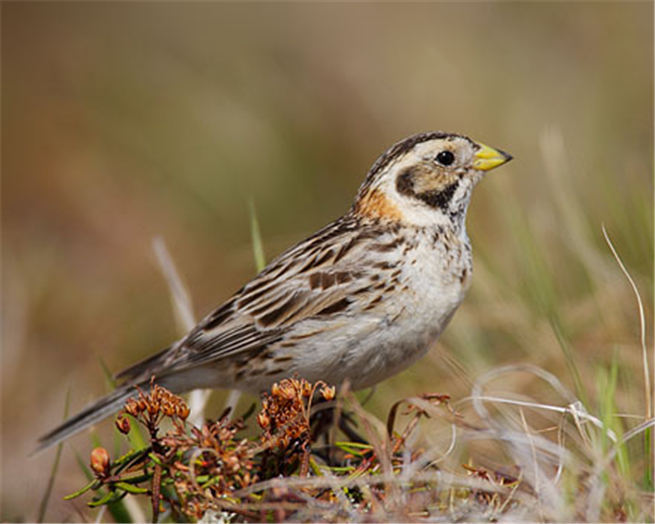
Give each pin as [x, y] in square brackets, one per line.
[359, 301]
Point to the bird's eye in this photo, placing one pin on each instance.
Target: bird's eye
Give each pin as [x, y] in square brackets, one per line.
[445, 158]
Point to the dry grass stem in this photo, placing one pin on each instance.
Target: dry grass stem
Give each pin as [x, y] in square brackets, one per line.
[642, 326]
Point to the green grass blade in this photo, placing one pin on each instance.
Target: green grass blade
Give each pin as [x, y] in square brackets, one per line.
[607, 381]
[649, 485]
[570, 361]
[256, 238]
[135, 436]
[109, 376]
[111, 383]
[55, 465]
[85, 469]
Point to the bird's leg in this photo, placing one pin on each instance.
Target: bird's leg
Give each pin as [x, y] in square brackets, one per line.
[324, 417]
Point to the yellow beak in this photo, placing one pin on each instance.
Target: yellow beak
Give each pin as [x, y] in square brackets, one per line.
[487, 158]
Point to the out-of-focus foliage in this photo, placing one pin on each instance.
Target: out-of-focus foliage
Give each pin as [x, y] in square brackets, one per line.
[124, 121]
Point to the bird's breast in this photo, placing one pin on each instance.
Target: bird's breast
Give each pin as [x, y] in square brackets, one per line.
[431, 285]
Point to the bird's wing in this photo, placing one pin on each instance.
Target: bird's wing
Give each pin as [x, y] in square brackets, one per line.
[329, 274]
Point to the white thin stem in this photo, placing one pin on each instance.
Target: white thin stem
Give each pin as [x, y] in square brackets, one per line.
[642, 324]
[183, 309]
[572, 409]
[179, 294]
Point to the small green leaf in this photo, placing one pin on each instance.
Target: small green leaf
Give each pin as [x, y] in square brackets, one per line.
[94, 484]
[107, 498]
[342, 469]
[126, 486]
[85, 469]
[55, 465]
[315, 467]
[109, 376]
[155, 459]
[130, 455]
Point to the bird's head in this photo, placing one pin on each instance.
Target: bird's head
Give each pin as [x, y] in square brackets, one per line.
[426, 179]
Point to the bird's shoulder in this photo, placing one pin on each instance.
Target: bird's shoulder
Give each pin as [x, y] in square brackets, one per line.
[343, 269]
[319, 276]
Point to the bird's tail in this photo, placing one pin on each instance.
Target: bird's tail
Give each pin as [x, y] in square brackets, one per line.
[93, 413]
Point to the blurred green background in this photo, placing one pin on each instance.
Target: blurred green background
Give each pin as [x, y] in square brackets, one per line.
[124, 121]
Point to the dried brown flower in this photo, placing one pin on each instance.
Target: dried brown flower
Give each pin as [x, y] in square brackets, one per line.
[182, 410]
[123, 424]
[263, 420]
[284, 414]
[150, 408]
[328, 392]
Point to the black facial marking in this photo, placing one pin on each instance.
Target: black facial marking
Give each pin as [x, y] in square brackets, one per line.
[435, 199]
[405, 182]
[440, 198]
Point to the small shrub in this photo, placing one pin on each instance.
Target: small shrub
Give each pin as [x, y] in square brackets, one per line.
[214, 473]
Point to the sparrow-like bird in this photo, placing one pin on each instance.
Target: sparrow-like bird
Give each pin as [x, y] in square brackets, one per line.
[361, 299]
